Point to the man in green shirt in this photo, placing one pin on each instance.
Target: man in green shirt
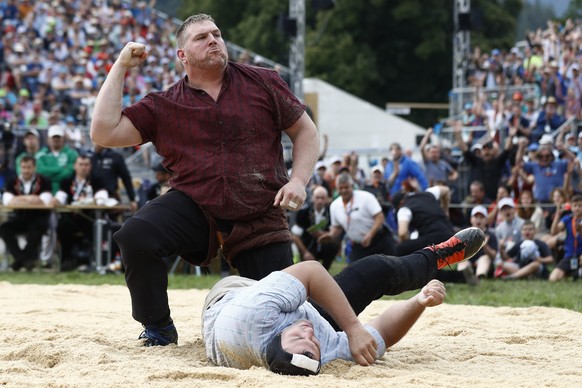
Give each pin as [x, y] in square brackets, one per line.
[56, 161]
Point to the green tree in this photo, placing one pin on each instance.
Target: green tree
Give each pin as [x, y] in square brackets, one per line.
[532, 17]
[574, 9]
[379, 50]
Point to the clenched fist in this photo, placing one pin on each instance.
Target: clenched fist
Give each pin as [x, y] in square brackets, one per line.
[132, 55]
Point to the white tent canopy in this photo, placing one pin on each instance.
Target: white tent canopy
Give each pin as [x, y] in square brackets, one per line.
[354, 124]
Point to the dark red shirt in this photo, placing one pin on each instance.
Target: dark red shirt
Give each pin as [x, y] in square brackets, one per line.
[225, 154]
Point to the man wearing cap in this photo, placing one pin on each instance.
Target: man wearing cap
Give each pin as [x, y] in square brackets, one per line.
[358, 214]
[319, 177]
[271, 323]
[31, 141]
[508, 232]
[377, 186]
[553, 84]
[57, 159]
[334, 166]
[548, 120]
[548, 172]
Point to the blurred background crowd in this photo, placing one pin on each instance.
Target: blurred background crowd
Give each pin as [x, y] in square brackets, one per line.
[515, 132]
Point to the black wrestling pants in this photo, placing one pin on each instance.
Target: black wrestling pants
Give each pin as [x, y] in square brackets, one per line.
[372, 277]
[174, 225]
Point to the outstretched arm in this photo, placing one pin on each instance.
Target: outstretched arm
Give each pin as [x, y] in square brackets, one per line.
[324, 290]
[395, 322]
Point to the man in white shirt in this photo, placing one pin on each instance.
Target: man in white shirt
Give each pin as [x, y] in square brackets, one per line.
[359, 214]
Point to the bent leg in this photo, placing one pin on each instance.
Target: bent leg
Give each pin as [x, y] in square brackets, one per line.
[256, 263]
[171, 224]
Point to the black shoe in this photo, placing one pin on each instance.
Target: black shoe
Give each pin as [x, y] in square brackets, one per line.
[462, 246]
[16, 265]
[159, 336]
[68, 265]
[29, 265]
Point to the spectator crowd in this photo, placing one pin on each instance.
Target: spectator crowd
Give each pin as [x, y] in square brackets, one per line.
[516, 149]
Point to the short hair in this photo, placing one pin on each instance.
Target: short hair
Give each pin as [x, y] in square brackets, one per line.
[528, 223]
[344, 178]
[478, 184]
[576, 198]
[28, 158]
[199, 18]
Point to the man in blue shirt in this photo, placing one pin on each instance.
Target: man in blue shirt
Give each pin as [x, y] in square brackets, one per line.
[400, 169]
[548, 121]
[548, 172]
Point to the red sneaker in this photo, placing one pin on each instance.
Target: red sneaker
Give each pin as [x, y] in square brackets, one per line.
[462, 246]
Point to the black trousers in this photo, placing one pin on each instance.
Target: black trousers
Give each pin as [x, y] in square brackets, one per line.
[171, 225]
[33, 226]
[372, 277]
[382, 243]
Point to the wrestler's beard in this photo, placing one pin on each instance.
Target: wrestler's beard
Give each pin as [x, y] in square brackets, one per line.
[212, 60]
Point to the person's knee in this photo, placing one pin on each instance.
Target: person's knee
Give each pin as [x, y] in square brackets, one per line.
[556, 275]
[137, 236]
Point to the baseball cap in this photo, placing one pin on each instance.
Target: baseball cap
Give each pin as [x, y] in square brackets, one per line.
[551, 100]
[517, 96]
[479, 209]
[319, 165]
[377, 168]
[56, 130]
[282, 362]
[546, 139]
[476, 146]
[335, 159]
[574, 67]
[533, 147]
[505, 202]
[32, 131]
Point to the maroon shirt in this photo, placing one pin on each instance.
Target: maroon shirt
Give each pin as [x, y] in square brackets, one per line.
[226, 154]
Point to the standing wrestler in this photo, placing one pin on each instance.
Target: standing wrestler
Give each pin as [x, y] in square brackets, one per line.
[219, 132]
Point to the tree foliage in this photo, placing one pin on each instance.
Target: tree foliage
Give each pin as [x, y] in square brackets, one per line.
[379, 50]
[574, 9]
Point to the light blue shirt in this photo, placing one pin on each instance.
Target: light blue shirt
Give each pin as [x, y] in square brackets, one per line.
[239, 327]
